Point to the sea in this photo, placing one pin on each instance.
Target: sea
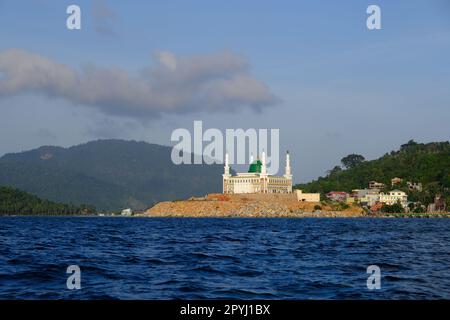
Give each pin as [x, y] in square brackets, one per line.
[213, 258]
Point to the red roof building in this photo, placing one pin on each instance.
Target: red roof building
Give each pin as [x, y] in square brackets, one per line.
[337, 195]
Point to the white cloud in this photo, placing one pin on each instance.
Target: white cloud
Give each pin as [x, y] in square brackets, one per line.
[218, 82]
[167, 59]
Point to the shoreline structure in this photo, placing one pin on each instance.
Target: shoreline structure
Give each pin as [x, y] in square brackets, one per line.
[259, 206]
[256, 194]
[247, 205]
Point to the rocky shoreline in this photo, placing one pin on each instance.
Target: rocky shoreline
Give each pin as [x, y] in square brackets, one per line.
[250, 206]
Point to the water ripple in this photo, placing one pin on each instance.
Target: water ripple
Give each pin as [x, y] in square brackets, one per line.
[224, 258]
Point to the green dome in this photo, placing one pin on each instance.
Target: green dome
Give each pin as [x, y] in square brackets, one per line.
[255, 167]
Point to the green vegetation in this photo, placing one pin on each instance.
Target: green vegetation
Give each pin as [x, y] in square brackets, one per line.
[334, 205]
[16, 202]
[352, 160]
[110, 174]
[339, 206]
[317, 207]
[416, 162]
[393, 208]
[416, 208]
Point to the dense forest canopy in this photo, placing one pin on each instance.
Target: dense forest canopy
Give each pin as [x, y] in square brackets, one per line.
[428, 164]
[16, 202]
[110, 174]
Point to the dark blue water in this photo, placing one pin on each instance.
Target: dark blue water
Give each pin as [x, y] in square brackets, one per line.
[131, 258]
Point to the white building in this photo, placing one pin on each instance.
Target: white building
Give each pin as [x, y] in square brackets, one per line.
[307, 197]
[367, 197]
[127, 212]
[393, 197]
[414, 186]
[257, 180]
[376, 185]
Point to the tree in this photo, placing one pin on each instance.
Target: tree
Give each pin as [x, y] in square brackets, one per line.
[335, 170]
[17, 202]
[425, 163]
[352, 160]
[419, 209]
[393, 208]
[409, 144]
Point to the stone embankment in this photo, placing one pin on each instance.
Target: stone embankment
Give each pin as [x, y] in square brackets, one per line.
[249, 205]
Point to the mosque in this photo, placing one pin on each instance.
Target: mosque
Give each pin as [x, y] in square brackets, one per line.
[256, 180]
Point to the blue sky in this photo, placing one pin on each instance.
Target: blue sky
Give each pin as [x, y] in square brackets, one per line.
[342, 88]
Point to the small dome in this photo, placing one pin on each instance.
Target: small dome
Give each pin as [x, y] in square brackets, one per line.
[255, 167]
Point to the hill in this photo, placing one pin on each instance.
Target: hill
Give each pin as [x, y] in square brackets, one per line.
[16, 202]
[109, 174]
[428, 164]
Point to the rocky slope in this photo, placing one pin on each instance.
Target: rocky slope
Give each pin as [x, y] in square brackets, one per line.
[247, 205]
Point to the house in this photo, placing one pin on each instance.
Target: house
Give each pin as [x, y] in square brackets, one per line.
[307, 197]
[337, 195]
[361, 193]
[414, 186]
[396, 181]
[438, 205]
[369, 199]
[366, 197]
[376, 185]
[126, 212]
[393, 197]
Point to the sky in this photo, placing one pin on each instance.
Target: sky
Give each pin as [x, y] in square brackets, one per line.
[140, 69]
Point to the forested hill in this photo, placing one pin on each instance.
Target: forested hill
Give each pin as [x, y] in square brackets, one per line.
[16, 202]
[109, 174]
[416, 162]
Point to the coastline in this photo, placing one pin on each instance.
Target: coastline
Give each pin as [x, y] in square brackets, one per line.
[250, 206]
[309, 215]
[306, 215]
[264, 206]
